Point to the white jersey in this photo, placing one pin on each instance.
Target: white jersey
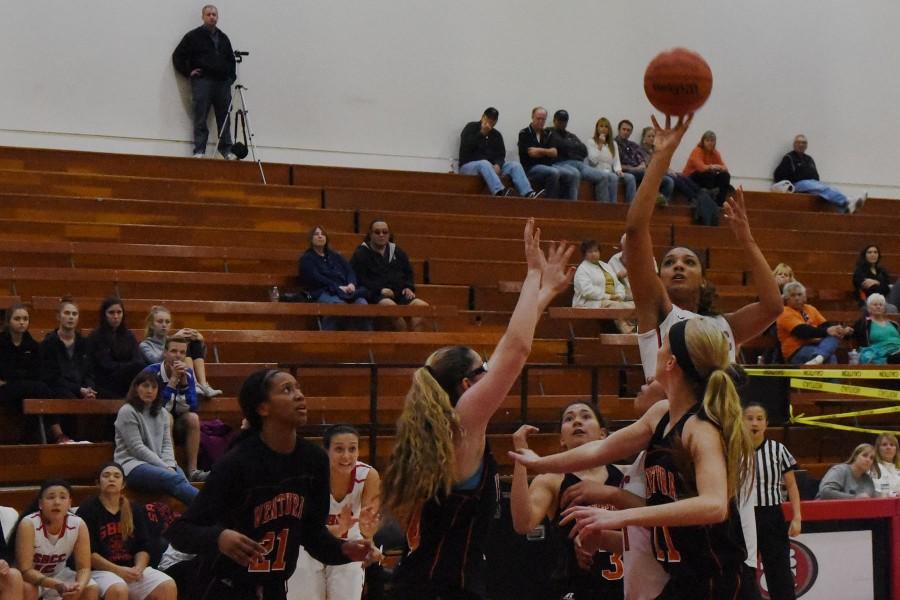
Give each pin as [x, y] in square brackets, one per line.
[645, 577]
[353, 499]
[52, 551]
[649, 342]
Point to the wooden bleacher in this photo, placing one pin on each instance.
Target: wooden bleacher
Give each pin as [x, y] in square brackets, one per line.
[87, 224]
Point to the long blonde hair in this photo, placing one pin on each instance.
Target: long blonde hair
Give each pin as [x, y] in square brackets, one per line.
[423, 461]
[866, 448]
[708, 349]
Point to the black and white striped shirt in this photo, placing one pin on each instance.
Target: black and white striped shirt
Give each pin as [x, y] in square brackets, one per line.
[773, 460]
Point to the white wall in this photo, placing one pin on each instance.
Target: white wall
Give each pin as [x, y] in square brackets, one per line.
[390, 83]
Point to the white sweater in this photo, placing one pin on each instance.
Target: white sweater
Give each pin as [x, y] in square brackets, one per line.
[601, 158]
[889, 482]
[590, 284]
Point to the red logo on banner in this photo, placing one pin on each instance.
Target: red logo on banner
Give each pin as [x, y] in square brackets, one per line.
[804, 566]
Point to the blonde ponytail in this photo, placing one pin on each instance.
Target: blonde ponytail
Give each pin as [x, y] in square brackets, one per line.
[722, 405]
[126, 518]
[423, 460]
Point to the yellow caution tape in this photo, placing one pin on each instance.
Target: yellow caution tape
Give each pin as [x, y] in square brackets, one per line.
[827, 373]
[850, 390]
[806, 421]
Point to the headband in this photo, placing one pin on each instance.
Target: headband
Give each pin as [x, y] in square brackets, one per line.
[678, 345]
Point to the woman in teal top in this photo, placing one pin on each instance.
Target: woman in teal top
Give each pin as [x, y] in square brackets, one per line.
[878, 336]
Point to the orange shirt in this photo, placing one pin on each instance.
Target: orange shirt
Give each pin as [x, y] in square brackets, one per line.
[699, 158]
[789, 319]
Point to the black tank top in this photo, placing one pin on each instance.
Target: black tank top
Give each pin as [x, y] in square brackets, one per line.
[447, 540]
[604, 579]
[696, 552]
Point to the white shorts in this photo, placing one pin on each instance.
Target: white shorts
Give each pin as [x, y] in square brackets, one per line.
[137, 590]
[314, 581]
[66, 575]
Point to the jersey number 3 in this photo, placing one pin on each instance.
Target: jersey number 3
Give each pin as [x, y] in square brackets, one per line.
[265, 565]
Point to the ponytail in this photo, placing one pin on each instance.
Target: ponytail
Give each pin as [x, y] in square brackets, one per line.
[722, 406]
[126, 518]
[423, 460]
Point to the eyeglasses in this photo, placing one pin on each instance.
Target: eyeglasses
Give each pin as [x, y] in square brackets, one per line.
[477, 371]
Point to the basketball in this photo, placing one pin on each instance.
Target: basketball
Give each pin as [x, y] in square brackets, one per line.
[677, 81]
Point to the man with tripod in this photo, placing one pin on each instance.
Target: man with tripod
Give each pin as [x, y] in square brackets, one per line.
[205, 56]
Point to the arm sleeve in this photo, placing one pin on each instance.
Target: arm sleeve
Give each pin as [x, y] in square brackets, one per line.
[198, 529]
[498, 149]
[617, 162]
[786, 459]
[141, 533]
[88, 513]
[593, 154]
[833, 485]
[50, 371]
[783, 170]
[316, 538]
[349, 274]
[127, 427]
[191, 393]
[812, 167]
[468, 141]
[181, 57]
[523, 146]
[858, 276]
[358, 263]
[695, 162]
[808, 332]
[232, 63]
[585, 287]
[311, 274]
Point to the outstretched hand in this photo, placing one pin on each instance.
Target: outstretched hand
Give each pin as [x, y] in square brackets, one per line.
[528, 458]
[556, 274]
[590, 520]
[735, 212]
[668, 138]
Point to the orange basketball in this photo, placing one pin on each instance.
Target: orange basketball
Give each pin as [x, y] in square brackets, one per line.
[678, 81]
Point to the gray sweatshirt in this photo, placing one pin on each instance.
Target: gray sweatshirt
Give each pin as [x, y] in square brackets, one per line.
[839, 483]
[152, 349]
[142, 439]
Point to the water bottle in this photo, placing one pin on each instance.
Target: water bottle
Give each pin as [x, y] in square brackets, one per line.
[274, 294]
[853, 357]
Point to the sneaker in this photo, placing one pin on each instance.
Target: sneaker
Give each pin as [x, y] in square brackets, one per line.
[852, 205]
[818, 360]
[198, 475]
[661, 201]
[534, 195]
[64, 439]
[862, 200]
[199, 155]
[229, 156]
[504, 192]
[204, 389]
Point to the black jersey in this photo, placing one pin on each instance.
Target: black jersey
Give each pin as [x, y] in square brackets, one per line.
[604, 579]
[703, 561]
[279, 500]
[447, 540]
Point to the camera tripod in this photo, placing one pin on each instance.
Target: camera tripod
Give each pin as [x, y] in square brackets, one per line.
[244, 115]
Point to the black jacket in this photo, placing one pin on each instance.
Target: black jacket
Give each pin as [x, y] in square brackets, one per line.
[796, 167]
[883, 277]
[327, 273]
[528, 139]
[22, 362]
[568, 145]
[197, 51]
[111, 350]
[60, 371]
[474, 146]
[377, 271]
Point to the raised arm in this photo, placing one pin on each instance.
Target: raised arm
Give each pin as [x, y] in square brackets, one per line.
[547, 276]
[650, 297]
[621, 444]
[751, 320]
[530, 504]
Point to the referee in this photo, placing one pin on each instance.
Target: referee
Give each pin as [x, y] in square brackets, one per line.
[774, 464]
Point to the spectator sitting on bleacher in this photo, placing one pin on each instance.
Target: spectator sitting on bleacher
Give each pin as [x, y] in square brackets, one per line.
[805, 336]
[144, 444]
[597, 286]
[603, 156]
[869, 277]
[328, 278]
[799, 168]
[156, 330]
[571, 154]
[178, 390]
[707, 169]
[672, 180]
[851, 479]
[482, 152]
[384, 270]
[113, 350]
[537, 155]
[783, 274]
[20, 367]
[64, 356]
[887, 480]
[877, 336]
[120, 543]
